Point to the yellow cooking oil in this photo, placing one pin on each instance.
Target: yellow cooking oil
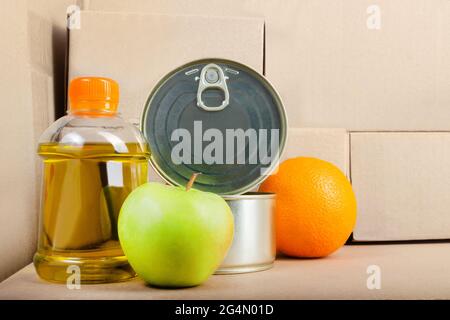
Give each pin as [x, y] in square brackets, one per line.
[82, 193]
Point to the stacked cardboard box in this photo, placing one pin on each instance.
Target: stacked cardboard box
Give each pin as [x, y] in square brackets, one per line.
[367, 67]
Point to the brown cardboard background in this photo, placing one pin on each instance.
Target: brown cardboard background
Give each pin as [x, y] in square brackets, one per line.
[398, 81]
[331, 70]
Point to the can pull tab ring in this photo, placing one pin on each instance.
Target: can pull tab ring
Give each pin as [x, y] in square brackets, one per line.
[212, 77]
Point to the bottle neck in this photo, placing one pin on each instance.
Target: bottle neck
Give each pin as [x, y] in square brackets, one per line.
[93, 108]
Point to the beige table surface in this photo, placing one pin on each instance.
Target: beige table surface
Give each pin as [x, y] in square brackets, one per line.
[408, 271]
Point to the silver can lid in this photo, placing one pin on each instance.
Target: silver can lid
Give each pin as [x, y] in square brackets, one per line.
[217, 117]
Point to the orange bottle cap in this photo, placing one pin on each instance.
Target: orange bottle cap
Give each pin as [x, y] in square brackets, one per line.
[93, 96]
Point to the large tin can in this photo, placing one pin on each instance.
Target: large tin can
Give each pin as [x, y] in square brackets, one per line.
[253, 247]
[215, 99]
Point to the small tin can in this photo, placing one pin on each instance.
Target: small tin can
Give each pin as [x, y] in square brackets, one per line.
[253, 247]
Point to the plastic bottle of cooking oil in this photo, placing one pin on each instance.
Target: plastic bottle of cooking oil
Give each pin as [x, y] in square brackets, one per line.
[92, 160]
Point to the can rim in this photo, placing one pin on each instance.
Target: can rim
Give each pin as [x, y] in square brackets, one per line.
[166, 177]
[250, 195]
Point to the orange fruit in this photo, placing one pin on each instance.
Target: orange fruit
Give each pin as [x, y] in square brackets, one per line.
[315, 207]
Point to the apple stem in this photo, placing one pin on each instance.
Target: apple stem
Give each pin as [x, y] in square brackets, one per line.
[192, 180]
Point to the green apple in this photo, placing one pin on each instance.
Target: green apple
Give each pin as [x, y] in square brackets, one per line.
[174, 236]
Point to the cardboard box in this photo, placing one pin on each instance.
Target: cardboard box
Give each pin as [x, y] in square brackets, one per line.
[354, 64]
[334, 68]
[402, 183]
[137, 50]
[30, 30]
[47, 37]
[17, 188]
[327, 144]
